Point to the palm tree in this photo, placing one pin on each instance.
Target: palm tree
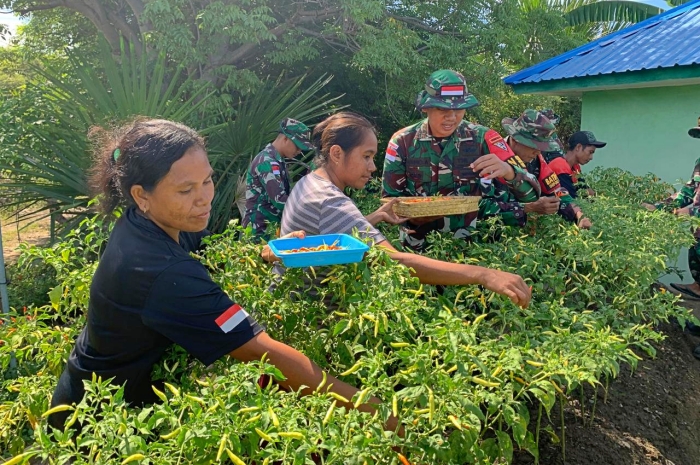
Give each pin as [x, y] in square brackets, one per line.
[586, 20]
[612, 15]
[46, 166]
[234, 143]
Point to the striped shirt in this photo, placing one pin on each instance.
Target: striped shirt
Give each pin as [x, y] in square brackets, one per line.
[317, 206]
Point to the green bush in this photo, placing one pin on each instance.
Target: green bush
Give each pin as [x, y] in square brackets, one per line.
[461, 367]
[29, 285]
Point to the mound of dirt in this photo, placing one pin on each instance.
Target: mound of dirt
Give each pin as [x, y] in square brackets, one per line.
[651, 416]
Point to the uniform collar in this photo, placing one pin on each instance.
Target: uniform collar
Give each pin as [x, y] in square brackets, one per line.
[461, 133]
[273, 153]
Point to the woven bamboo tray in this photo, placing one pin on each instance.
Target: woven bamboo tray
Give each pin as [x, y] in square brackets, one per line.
[416, 207]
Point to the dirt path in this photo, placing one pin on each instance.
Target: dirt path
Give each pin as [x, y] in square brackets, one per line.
[34, 233]
[651, 417]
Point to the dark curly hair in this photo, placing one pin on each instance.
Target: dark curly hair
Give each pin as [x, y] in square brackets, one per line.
[139, 153]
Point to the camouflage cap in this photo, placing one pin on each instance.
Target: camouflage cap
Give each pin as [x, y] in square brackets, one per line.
[695, 132]
[551, 116]
[533, 129]
[297, 132]
[446, 89]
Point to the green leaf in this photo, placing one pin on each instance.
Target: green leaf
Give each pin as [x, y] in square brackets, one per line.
[55, 296]
[618, 12]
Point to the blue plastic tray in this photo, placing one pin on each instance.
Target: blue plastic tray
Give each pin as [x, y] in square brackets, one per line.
[353, 250]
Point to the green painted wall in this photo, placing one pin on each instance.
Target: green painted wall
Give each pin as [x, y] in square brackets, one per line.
[646, 131]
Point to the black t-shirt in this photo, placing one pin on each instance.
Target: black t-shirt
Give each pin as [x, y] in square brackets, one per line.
[568, 184]
[148, 293]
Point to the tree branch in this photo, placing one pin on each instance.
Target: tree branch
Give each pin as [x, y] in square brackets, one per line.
[309, 16]
[45, 6]
[421, 25]
[328, 39]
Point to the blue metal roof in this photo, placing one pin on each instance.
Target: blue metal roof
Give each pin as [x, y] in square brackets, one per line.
[669, 39]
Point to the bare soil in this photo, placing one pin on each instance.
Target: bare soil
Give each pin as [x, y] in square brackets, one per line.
[651, 416]
[29, 231]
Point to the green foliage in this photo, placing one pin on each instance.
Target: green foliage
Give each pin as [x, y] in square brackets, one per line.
[29, 283]
[621, 12]
[48, 163]
[49, 33]
[233, 144]
[616, 183]
[13, 72]
[459, 367]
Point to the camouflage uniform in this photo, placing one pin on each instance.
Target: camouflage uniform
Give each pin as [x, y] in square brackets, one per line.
[550, 155]
[694, 252]
[535, 130]
[689, 195]
[267, 181]
[418, 164]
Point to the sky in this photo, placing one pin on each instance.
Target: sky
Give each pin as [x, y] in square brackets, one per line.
[9, 20]
[659, 3]
[12, 21]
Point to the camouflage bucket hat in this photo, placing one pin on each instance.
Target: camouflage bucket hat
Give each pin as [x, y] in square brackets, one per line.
[446, 89]
[533, 129]
[297, 131]
[551, 116]
[695, 132]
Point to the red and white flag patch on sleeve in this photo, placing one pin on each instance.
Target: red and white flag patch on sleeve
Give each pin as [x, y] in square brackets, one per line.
[391, 153]
[231, 318]
[275, 168]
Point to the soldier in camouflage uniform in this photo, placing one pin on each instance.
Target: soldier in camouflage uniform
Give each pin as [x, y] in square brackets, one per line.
[529, 135]
[267, 182]
[687, 202]
[445, 155]
[550, 155]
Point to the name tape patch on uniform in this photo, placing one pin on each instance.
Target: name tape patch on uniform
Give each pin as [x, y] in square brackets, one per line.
[231, 318]
[452, 90]
[552, 181]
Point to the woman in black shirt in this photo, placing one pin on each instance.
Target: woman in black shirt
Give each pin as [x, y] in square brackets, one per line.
[148, 292]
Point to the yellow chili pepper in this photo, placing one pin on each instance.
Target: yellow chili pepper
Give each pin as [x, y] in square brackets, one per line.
[263, 435]
[234, 458]
[338, 397]
[352, 369]
[273, 417]
[483, 382]
[133, 458]
[222, 446]
[329, 413]
[361, 397]
[56, 409]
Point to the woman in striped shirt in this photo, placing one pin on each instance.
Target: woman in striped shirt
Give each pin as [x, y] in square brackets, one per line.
[346, 144]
